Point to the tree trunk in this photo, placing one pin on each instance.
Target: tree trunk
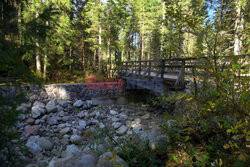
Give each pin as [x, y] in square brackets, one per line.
[45, 67]
[38, 57]
[109, 56]
[100, 56]
[238, 30]
[70, 56]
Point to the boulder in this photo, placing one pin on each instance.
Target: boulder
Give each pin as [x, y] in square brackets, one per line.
[80, 159]
[37, 110]
[45, 143]
[33, 148]
[51, 106]
[65, 131]
[82, 124]
[75, 139]
[70, 151]
[63, 103]
[32, 130]
[122, 130]
[52, 121]
[113, 112]
[107, 160]
[78, 103]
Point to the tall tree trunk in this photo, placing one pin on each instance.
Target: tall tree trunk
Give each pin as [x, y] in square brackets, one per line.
[100, 56]
[45, 67]
[38, 57]
[163, 20]
[109, 56]
[19, 23]
[70, 56]
[238, 30]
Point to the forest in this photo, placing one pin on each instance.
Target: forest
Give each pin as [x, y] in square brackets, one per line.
[68, 41]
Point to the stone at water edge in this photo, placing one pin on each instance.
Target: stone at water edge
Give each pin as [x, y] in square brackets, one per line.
[107, 160]
[51, 106]
[45, 143]
[113, 112]
[78, 103]
[80, 159]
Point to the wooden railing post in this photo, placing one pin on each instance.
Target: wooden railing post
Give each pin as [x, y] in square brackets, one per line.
[182, 79]
[149, 69]
[139, 69]
[162, 68]
[126, 68]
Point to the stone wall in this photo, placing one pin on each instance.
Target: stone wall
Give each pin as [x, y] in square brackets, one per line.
[63, 91]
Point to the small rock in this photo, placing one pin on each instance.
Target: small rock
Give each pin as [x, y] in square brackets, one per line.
[89, 103]
[65, 131]
[32, 130]
[116, 125]
[70, 151]
[51, 106]
[33, 148]
[63, 103]
[113, 112]
[107, 160]
[75, 139]
[122, 130]
[82, 124]
[146, 116]
[114, 119]
[83, 114]
[30, 121]
[80, 159]
[52, 121]
[37, 111]
[78, 103]
[45, 143]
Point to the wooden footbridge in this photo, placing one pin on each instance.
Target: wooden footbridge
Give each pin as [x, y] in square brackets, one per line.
[175, 72]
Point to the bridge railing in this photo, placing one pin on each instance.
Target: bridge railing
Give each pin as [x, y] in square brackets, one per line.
[174, 69]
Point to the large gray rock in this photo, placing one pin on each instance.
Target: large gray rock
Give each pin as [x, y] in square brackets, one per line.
[70, 151]
[113, 112]
[116, 125]
[65, 131]
[33, 148]
[122, 130]
[78, 103]
[45, 143]
[63, 103]
[38, 109]
[75, 139]
[51, 106]
[80, 159]
[52, 121]
[107, 160]
[82, 124]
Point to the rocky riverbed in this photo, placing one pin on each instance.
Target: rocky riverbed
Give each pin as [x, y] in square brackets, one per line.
[58, 132]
